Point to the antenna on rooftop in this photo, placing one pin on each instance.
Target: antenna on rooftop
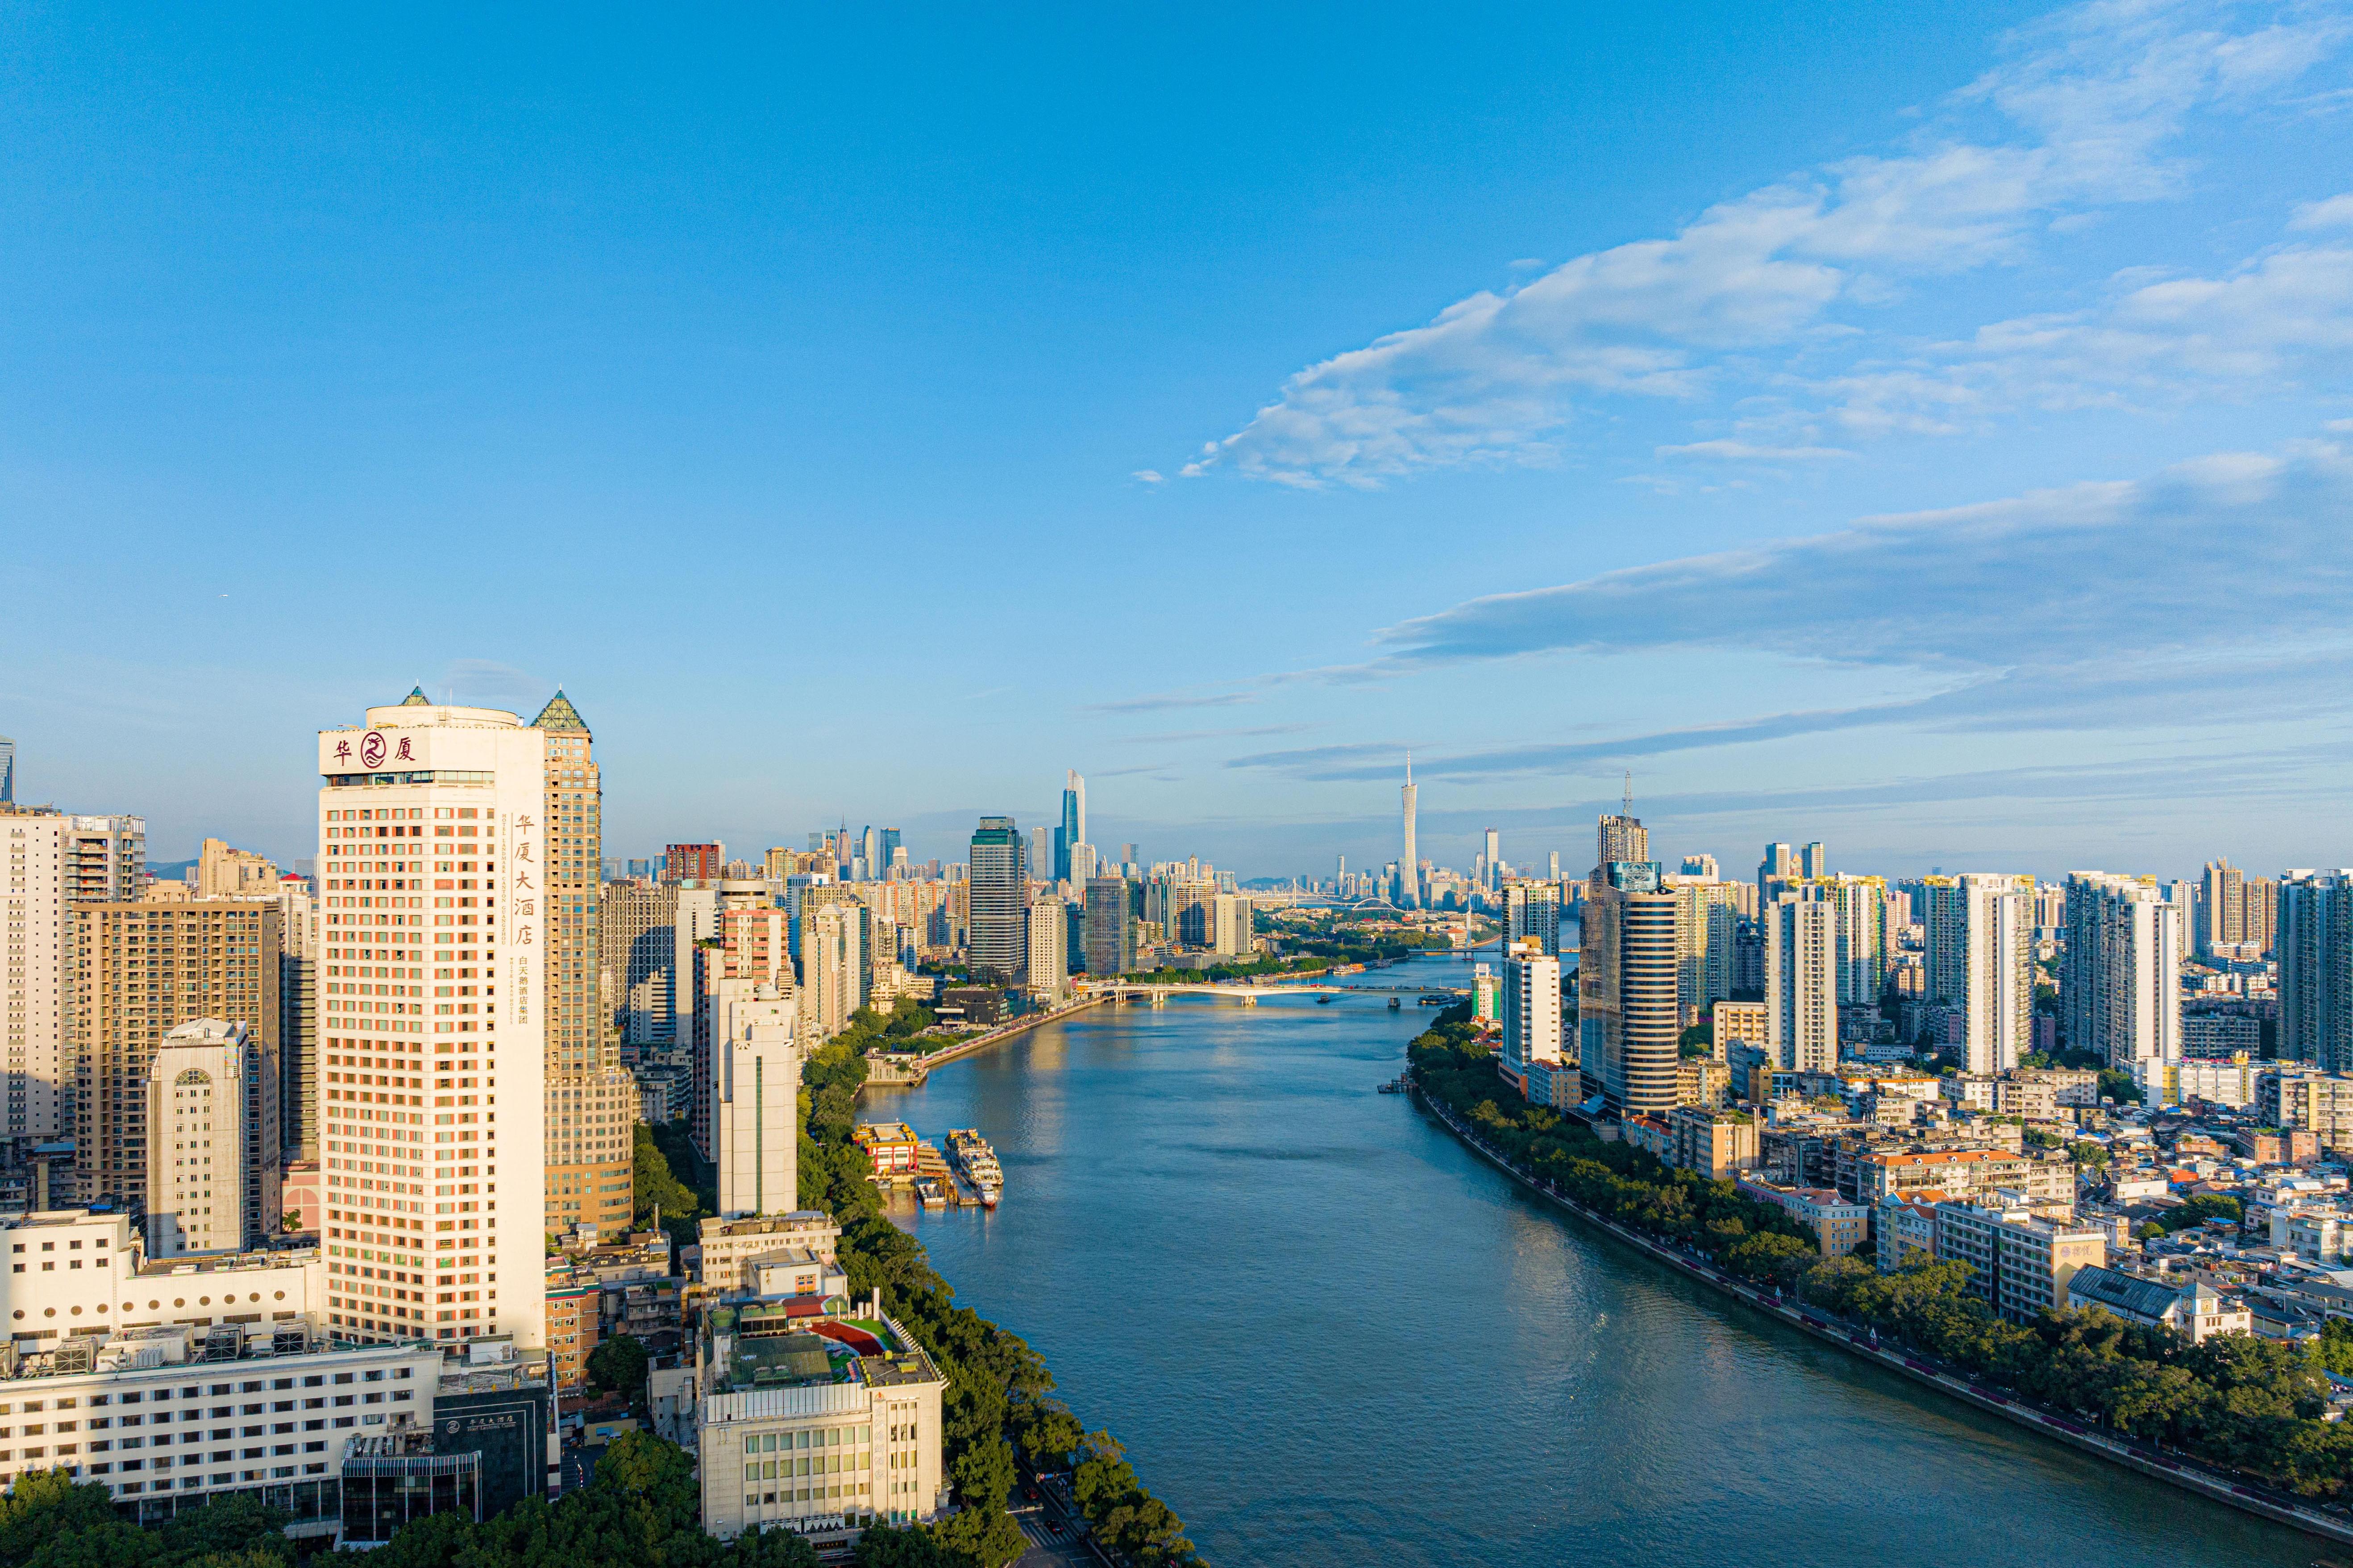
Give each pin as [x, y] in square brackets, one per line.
[1627, 808]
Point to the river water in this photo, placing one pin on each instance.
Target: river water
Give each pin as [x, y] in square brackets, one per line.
[1327, 1335]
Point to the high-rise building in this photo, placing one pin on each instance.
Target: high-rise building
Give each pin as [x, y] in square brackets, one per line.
[1235, 936]
[2120, 974]
[749, 944]
[888, 852]
[1045, 859]
[1049, 963]
[1707, 925]
[1531, 1031]
[1702, 866]
[1776, 871]
[695, 862]
[1814, 862]
[1621, 838]
[1493, 857]
[55, 862]
[638, 948]
[592, 1102]
[221, 872]
[142, 968]
[473, 782]
[7, 770]
[1532, 911]
[211, 1186]
[297, 1017]
[2314, 941]
[835, 967]
[997, 948]
[758, 1083]
[1629, 1030]
[1110, 928]
[1980, 960]
[1801, 983]
[1863, 943]
[1407, 892]
[2221, 906]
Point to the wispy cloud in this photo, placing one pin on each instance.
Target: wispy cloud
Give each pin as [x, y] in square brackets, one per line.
[1177, 737]
[1746, 452]
[2088, 106]
[2104, 568]
[1165, 703]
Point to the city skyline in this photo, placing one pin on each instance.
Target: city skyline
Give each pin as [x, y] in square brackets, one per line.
[1846, 408]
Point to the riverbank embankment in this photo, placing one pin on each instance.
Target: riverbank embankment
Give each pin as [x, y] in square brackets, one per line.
[2173, 1470]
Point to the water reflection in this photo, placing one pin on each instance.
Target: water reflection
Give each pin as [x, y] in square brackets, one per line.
[1329, 1337]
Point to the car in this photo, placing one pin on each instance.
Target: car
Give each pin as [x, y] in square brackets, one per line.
[1029, 1492]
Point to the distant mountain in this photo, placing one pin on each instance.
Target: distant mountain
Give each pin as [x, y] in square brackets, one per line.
[170, 871]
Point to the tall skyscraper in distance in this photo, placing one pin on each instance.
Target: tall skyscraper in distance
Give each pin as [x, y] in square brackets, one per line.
[693, 862]
[889, 843]
[7, 770]
[997, 949]
[1044, 858]
[1774, 872]
[1707, 929]
[1407, 893]
[591, 1099]
[1814, 861]
[1072, 831]
[1552, 865]
[1495, 857]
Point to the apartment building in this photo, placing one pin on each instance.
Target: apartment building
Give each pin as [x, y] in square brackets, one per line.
[142, 969]
[2019, 1264]
[54, 861]
[1882, 1174]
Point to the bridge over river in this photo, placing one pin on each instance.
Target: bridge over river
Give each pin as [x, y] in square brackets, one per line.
[1158, 991]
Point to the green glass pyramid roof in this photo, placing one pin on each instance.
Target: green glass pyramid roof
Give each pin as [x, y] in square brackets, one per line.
[417, 699]
[559, 715]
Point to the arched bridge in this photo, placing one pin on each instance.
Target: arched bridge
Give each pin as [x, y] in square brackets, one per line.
[1157, 992]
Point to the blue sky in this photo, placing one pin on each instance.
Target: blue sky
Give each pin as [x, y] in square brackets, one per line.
[1920, 428]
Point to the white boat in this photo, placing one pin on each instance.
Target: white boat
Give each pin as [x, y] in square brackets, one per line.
[928, 1193]
[978, 1162]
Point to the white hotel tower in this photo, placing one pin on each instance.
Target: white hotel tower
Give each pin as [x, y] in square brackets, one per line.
[431, 1050]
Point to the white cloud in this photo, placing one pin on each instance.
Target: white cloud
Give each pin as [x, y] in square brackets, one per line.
[2095, 97]
[1743, 451]
[2091, 572]
[2336, 212]
[1149, 476]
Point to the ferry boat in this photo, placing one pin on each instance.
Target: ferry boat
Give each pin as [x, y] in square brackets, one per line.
[979, 1161]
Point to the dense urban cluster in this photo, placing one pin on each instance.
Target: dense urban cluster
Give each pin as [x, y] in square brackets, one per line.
[255, 1119]
[2090, 1139]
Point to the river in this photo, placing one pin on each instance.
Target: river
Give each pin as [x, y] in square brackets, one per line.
[1327, 1335]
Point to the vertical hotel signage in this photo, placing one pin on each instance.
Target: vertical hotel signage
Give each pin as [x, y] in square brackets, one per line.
[519, 922]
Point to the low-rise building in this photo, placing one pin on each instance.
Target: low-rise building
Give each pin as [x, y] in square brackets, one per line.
[719, 1259]
[1902, 1227]
[1883, 1173]
[803, 1421]
[893, 1146]
[2019, 1263]
[1839, 1226]
[1649, 1134]
[174, 1416]
[2195, 1309]
[1717, 1145]
[575, 1316]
